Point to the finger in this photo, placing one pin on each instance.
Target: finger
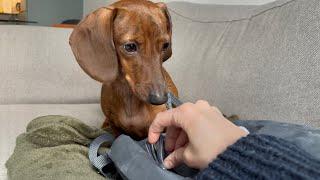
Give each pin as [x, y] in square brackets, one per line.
[172, 134]
[163, 120]
[181, 140]
[216, 110]
[203, 106]
[174, 159]
[203, 103]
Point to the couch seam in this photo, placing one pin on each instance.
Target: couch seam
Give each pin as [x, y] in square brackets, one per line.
[233, 20]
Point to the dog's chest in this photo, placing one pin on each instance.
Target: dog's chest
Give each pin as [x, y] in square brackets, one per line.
[140, 118]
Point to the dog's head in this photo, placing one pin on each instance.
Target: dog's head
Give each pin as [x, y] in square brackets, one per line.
[129, 39]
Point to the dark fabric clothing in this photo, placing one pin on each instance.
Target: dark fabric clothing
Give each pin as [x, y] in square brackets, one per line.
[262, 157]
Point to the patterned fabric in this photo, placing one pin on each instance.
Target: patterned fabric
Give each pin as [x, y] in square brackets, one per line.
[262, 157]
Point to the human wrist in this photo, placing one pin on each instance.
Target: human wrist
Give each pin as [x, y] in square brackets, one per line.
[220, 146]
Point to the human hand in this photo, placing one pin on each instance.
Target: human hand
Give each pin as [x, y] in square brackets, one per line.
[196, 134]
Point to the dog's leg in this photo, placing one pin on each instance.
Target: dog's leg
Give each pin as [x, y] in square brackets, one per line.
[109, 128]
[105, 124]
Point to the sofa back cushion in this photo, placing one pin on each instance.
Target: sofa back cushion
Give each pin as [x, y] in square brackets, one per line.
[259, 62]
[37, 66]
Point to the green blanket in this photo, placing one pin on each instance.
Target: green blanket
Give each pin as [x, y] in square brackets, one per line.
[54, 147]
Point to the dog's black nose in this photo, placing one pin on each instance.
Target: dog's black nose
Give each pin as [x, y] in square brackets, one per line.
[156, 98]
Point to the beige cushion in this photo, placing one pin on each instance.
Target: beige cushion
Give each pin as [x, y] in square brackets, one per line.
[257, 62]
[37, 66]
[14, 120]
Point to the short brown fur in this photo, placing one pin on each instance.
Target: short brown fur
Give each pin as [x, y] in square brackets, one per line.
[128, 78]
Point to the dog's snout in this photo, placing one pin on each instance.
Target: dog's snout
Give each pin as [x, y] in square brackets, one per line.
[158, 98]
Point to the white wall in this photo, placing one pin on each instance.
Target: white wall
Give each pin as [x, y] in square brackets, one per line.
[49, 12]
[90, 5]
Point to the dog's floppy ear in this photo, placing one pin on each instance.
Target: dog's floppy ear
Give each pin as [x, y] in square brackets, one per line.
[165, 10]
[92, 45]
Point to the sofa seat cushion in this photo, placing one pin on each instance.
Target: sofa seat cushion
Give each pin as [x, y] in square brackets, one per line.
[14, 120]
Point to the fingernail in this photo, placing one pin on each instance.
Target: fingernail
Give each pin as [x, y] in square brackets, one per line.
[166, 164]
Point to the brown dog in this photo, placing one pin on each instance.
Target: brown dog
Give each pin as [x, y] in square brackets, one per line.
[123, 46]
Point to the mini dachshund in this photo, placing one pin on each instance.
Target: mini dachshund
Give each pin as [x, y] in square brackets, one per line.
[123, 46]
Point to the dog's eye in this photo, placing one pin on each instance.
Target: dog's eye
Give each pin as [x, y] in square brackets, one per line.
[130, 47]
[165, 46]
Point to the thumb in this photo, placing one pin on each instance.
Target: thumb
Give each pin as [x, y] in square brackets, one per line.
[174, 159]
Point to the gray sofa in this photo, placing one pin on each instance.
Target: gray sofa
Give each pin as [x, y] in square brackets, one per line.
[259, 62]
